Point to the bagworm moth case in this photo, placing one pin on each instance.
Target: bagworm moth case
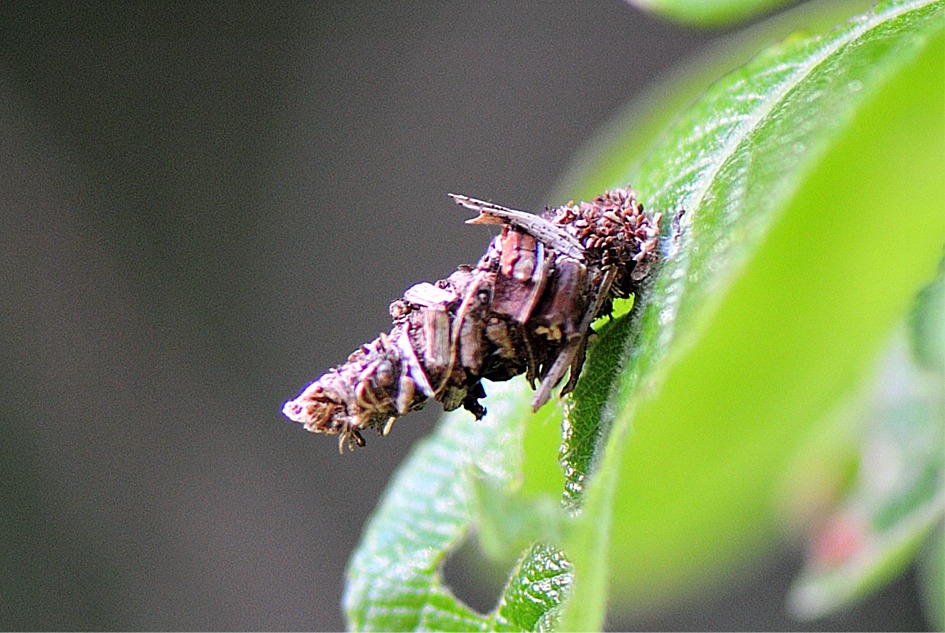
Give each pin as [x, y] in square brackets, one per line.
[525, 308]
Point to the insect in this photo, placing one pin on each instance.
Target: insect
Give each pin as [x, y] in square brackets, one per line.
[525, 308]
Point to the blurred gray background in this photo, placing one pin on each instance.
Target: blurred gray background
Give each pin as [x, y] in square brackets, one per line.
[204, 206]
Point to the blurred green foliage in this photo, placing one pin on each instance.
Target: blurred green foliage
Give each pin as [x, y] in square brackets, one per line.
[708, 12]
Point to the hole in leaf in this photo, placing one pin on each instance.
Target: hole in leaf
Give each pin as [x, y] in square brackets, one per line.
[473, 577]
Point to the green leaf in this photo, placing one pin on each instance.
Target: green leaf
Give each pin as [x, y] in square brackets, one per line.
[754, 325]
[899, 495]
[619, 146]
[509, 522]
[708, 12]
[531, 603]
[896, 502]
[928, 326]
[394, 580]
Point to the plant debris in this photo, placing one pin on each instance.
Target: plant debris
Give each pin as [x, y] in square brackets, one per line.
[525, 308]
